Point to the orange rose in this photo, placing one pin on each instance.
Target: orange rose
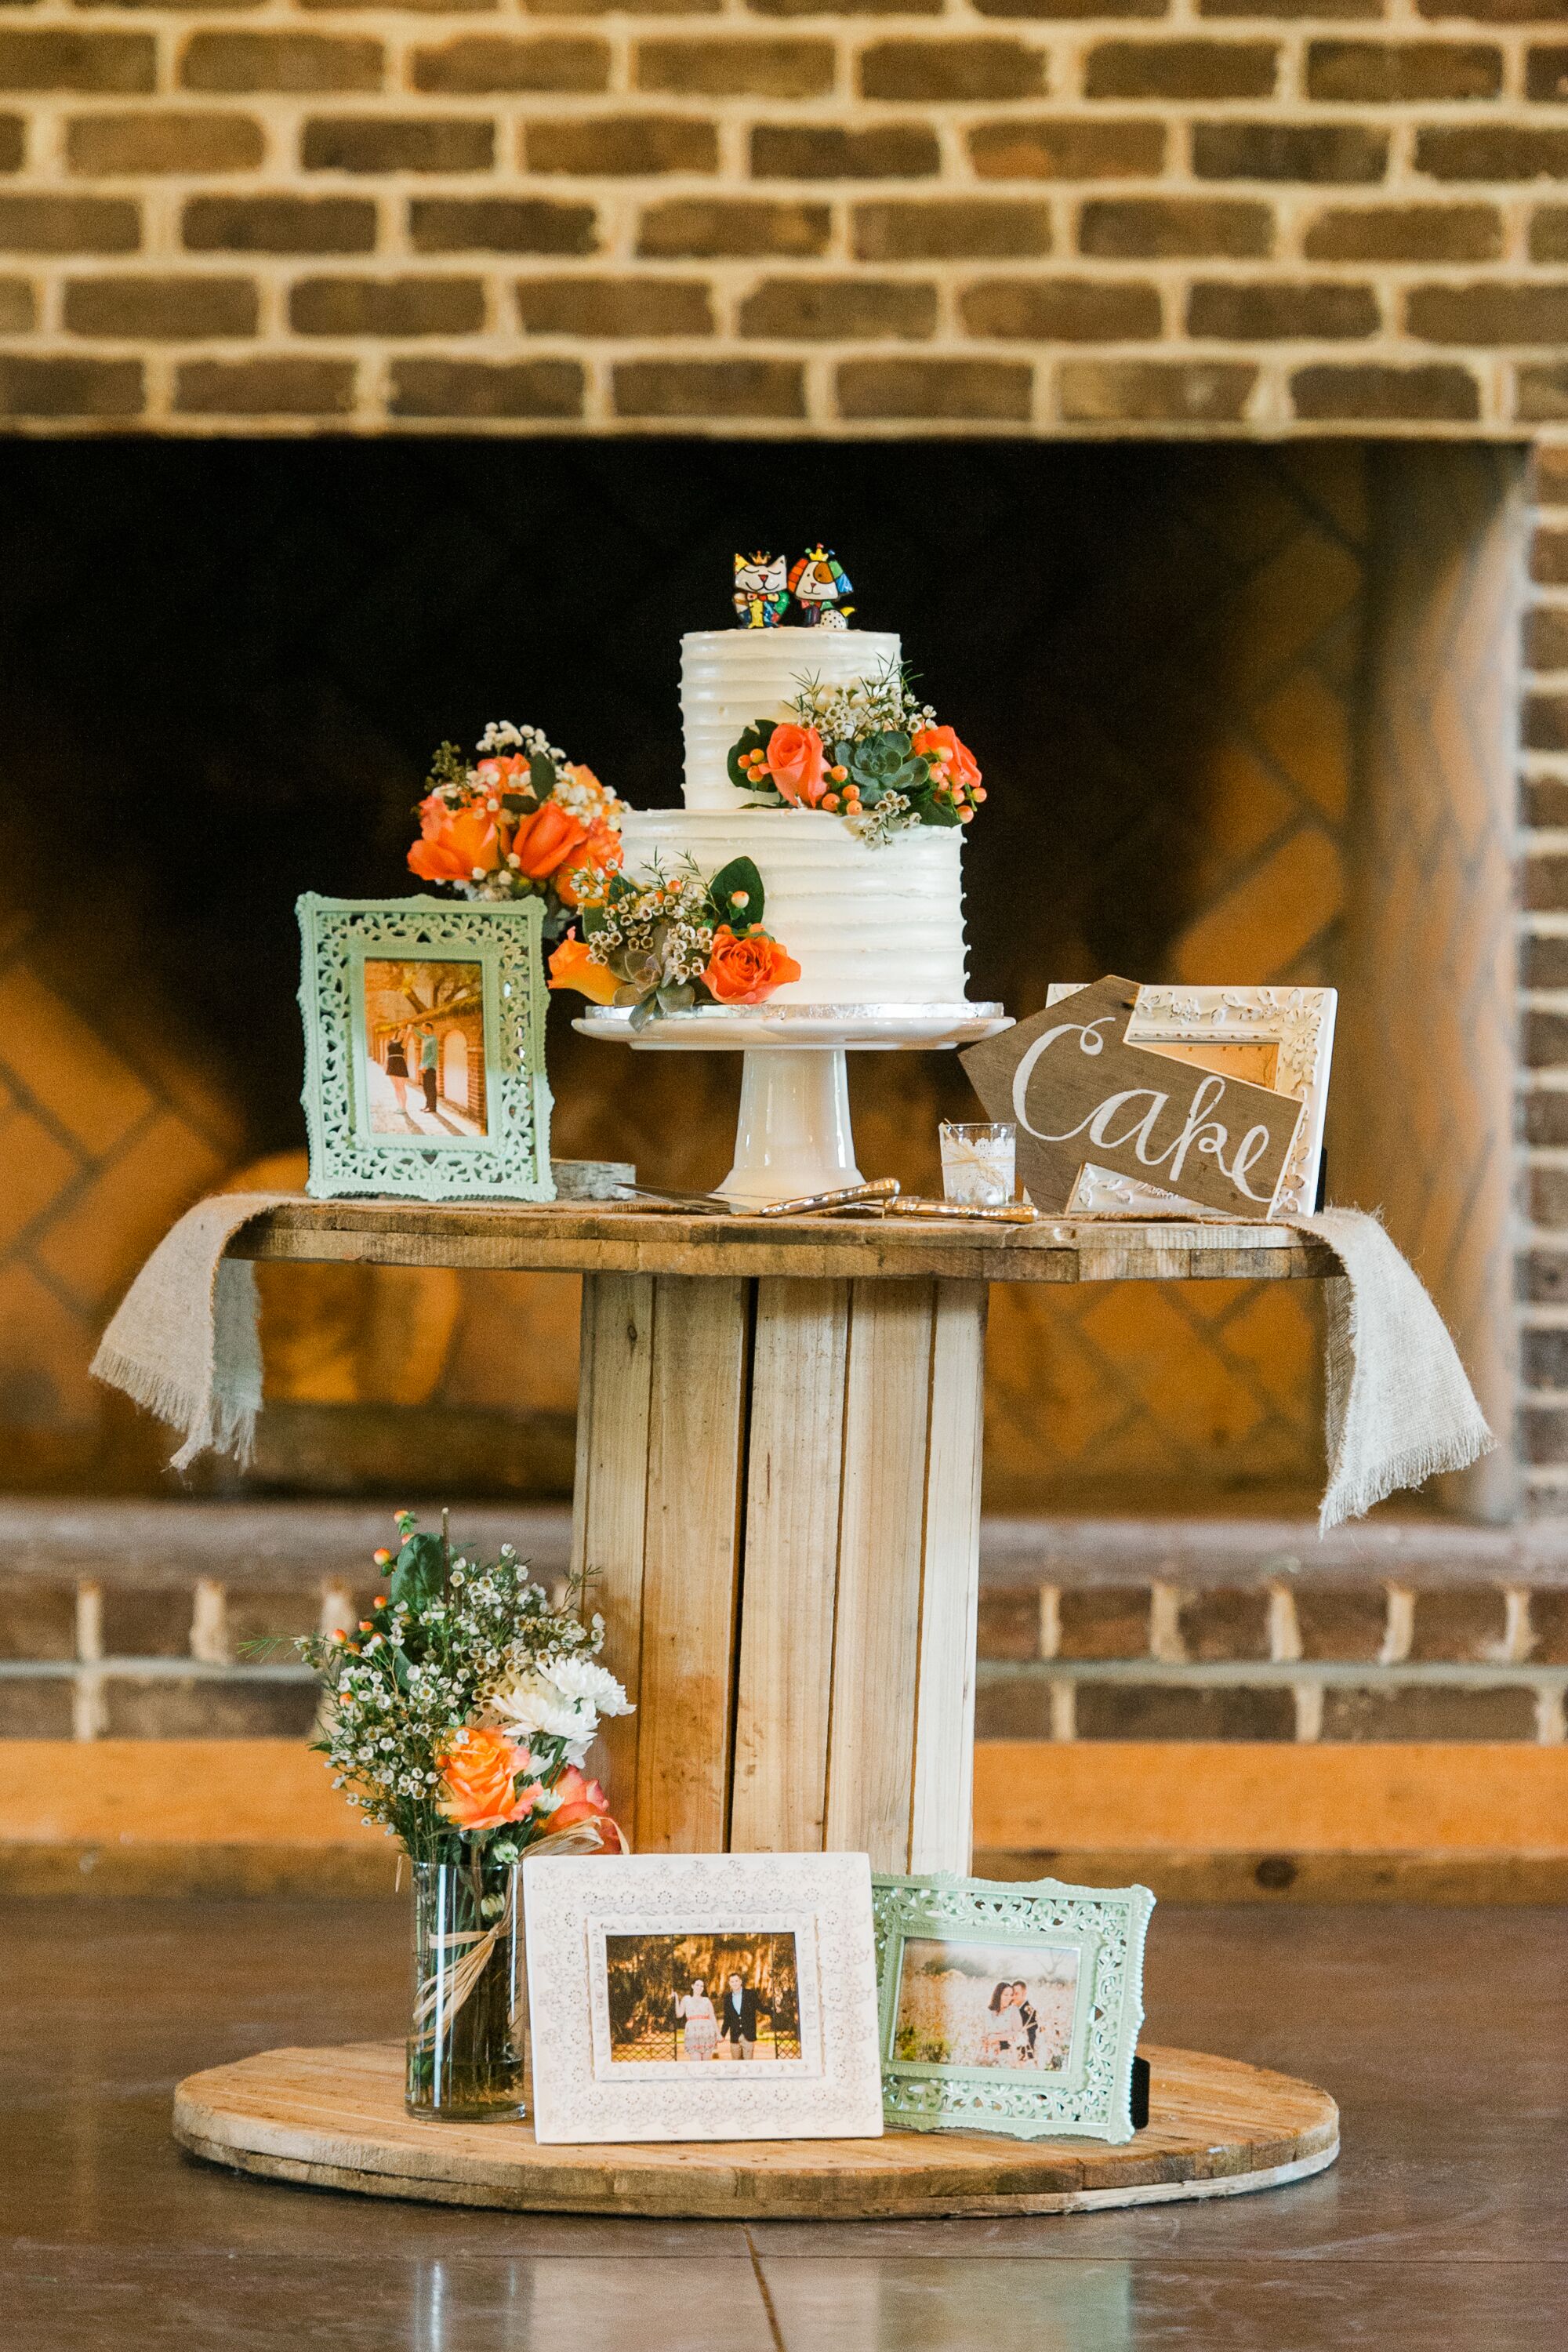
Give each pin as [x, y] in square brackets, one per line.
[589, 783]
[941, 743]
[453, 843]
[507, 776]
[744, 971]
[798, 764]
[545, 841]
[477, 1776]
[600, 853]
[572, 966]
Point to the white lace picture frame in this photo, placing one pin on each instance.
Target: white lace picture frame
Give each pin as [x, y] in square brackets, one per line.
[1010, 2007]
[424, 1049]
[629, 2039]
[1278, 1037]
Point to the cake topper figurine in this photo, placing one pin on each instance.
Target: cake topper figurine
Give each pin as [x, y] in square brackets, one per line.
[762, 590]
[818, 583]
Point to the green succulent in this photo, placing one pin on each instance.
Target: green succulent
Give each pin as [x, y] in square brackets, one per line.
[883, 763]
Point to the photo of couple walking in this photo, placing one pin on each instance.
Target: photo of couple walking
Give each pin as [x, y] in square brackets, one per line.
[424, 1063]
[699, 2000]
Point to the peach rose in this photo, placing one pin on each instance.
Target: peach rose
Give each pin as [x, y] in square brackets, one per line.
[544, 841]
[797, 763]
[584, 1800]
[572, 966]
[477, 1776]
[600, 853]
[509, 774]
[744, 971]
[453, 843]
[941, 743]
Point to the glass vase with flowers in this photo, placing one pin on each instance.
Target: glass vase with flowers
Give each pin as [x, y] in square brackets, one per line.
[458, 1716]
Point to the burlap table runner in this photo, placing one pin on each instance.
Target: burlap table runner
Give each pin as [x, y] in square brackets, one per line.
[1399, 1406]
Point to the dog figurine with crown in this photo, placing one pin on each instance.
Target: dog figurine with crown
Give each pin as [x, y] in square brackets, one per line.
[762, 590]
[819, 584]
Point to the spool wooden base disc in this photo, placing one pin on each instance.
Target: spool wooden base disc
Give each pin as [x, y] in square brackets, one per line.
[335, 2118]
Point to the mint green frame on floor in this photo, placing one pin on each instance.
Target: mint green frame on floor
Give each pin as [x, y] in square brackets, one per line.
[1092, 2093]
[511, 1160]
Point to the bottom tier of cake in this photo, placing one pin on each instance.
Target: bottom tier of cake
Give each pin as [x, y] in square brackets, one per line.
[882, 926]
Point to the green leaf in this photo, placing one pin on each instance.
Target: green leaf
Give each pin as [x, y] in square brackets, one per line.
[644, 1010]
[542, 776]
[757, 738]
[738, 881]
[419, 1574]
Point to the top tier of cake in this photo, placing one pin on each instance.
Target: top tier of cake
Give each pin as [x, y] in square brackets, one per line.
[731, 676]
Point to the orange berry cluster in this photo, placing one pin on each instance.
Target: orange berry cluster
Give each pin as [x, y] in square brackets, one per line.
[847, 799]
[965, 798]
[755, 763]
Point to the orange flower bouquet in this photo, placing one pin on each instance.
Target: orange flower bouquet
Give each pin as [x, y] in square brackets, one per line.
[674, 941]
[519, 819]
[459, 1714]
[868, 752]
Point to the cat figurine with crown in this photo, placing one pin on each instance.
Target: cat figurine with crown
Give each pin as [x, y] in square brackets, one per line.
[762, 590]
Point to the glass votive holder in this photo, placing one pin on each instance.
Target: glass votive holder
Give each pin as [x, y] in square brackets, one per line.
[977, 1161]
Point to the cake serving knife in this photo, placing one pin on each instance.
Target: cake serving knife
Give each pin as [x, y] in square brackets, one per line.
[875, 1197]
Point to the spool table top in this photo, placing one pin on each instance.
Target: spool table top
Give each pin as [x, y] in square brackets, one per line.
[602, 1237]
[334, 2118]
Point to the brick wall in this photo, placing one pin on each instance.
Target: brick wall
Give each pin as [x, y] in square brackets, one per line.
[1173, 216]
[133, 1621]
[1543, 975]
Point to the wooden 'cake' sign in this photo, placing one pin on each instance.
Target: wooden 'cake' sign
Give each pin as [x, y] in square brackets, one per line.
[1078, 1093]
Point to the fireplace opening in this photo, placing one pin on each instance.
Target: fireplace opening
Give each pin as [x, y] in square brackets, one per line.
[1246, 713]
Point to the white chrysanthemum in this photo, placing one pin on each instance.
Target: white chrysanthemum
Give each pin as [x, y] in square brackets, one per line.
[582, 1677]
[533, 1706]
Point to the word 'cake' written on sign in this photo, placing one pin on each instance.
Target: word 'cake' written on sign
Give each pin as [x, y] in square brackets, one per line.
[1080, 1093]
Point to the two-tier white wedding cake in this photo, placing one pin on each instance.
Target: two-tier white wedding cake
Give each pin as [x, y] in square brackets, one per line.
[867, 924]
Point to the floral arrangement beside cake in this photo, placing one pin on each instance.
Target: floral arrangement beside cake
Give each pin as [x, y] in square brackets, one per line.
[521, 819]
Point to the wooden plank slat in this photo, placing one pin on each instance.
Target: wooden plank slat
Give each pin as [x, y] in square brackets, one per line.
[944, 1757]
[691, 1563]
[334, 2118]
[609, 1500]
[881, 1527]
[795, 1461]
[598, 1237]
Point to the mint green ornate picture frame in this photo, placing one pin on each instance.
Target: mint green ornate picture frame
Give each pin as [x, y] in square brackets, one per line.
[1010, 2007]
[424, 1049]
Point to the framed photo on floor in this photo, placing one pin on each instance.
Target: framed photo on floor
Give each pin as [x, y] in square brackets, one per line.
[677, 1997]
[1008, 2007]
[424, 1049]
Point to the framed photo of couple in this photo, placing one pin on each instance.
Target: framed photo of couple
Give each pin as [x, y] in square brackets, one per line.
[424, 1049]
[1009, 2007]
[702, 1996]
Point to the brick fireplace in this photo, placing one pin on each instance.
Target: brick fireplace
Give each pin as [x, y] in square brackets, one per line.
[1189, 382]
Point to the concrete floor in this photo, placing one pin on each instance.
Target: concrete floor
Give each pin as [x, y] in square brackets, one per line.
[1443, 2033]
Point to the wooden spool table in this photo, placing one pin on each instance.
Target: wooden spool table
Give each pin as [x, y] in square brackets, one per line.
[778, 1491]
[334, 2119]
[778, 1488]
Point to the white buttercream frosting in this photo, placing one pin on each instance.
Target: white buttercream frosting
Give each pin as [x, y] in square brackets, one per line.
[866, 926]
[731, 676]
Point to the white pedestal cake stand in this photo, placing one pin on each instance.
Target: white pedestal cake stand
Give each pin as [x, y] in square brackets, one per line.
[792, 1138]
